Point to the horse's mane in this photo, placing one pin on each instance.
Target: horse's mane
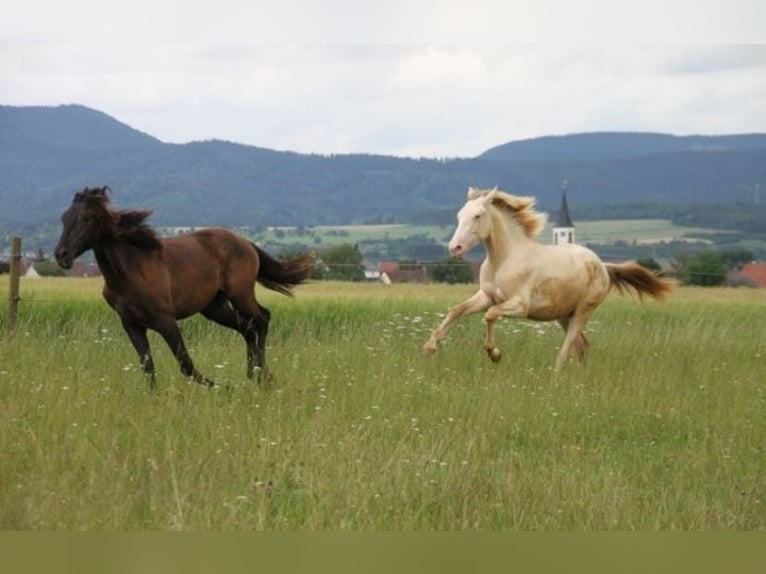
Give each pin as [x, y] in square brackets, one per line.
[128, 225]
[521, 208]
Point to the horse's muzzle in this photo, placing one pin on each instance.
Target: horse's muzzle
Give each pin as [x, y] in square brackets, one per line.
[457, 251]
[64, 259]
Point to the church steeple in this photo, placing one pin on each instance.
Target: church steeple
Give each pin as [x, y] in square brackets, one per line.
[563, 232]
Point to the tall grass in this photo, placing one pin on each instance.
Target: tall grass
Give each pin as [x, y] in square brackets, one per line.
[663, 428]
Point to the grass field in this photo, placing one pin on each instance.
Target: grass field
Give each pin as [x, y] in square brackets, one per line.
[663, 428]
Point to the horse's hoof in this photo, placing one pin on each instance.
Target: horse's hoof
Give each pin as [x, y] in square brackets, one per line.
[265, 378]
[429, 349]
[495, 354]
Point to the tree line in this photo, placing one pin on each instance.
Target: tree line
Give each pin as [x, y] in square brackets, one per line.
[345, 262]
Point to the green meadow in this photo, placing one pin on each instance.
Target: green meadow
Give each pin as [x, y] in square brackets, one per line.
[663, 428]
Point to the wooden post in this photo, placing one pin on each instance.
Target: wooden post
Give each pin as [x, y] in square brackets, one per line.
[13, 292]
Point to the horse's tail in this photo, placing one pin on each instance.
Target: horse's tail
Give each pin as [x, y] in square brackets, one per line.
[632, 277]
[282, 276]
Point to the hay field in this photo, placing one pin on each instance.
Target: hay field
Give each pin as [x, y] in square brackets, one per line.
[663, 429]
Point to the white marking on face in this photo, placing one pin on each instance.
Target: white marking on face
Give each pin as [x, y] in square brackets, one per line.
[470, 222]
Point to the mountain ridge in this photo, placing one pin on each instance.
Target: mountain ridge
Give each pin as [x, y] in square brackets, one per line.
[48, 153]
[601, 145]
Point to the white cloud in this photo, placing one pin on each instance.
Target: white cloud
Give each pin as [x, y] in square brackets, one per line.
[394, 21]
[419, 100]
[438, 68]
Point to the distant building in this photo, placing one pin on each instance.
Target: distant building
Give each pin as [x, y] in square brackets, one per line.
[563, 231]
[372, 275]
[751, 274]
[396, 272]
[31, 272]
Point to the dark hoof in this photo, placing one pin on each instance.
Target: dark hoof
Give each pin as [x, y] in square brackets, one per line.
[204, 381]
[495, 354]
[267, 380]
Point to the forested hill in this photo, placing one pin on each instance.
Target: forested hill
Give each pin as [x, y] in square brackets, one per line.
[46, 154]
[618, 145]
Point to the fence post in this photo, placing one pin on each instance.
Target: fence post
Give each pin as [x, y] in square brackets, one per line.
[13, 292]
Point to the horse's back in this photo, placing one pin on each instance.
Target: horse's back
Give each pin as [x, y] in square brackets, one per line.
[214, 246]
[205, 262]
[581, 265]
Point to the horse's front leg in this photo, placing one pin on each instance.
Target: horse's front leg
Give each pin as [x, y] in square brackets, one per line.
[478, 302]
[137, 336]
[169, 330]
[513, 307]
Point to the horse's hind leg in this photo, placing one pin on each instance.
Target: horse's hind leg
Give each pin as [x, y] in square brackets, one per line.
[575, 335]
[580, 344]
[220, 311]
[240, 311]
[255, 330]
[262, 329]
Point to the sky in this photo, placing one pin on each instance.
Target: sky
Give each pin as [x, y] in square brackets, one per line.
[437, 78]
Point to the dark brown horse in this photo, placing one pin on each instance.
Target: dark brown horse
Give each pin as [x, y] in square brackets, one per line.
[151, 282]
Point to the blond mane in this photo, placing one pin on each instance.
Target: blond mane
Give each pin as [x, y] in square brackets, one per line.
[522, 209]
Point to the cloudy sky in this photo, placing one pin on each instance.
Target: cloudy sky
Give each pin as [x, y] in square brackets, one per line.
[418, 78]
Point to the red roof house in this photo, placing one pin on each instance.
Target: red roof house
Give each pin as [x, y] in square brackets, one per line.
[754, 273]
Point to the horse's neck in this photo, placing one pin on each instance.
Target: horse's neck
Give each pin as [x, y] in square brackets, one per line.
[112, 260]
[506, 240]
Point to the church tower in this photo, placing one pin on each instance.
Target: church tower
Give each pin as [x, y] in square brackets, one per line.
[563, 231]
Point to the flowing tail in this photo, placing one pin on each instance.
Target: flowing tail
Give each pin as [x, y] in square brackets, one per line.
[282, 276]
[634, 278]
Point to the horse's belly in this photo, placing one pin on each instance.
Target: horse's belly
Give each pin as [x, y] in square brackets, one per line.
[547, 311]
[553, 298]
[190, 301]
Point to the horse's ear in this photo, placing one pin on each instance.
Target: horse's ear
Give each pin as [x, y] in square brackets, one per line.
[492, 194]
[98, 193]
[473, 193]
[81, 195]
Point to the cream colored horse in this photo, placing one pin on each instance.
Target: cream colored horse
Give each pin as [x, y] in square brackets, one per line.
[523, 278]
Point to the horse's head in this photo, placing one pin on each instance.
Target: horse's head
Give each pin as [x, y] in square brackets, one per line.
[83, 223]
[473, 223]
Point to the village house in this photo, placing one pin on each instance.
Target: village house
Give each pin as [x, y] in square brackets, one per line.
[753, 274]
[396, 272]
